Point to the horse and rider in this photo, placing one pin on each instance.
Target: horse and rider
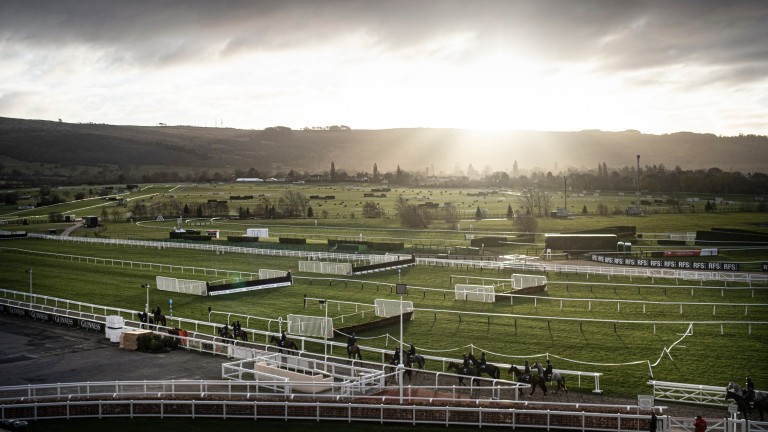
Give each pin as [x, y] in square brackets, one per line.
[749, 392]
[465, 366]
[353, 351]
[548, 371]
[395, 357]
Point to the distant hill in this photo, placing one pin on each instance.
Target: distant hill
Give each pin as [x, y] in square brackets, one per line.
[445, 150]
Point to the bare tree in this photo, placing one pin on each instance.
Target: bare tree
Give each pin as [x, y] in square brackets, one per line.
[451, 215]
[293, 204]
[536, 201]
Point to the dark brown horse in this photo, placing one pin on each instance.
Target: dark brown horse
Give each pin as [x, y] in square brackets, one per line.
[461, 372]
[226, 334]
[289, 344]
[353, 351]
[159, 319]
[240, 334]
[735, 392]
[418, 360]
[489, 369]
[533, 380]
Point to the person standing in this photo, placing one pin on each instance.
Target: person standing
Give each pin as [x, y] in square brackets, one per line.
[654, 422]
[699, 425]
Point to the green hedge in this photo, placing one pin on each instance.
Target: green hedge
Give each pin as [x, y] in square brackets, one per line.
[242, 239]
[291, 240]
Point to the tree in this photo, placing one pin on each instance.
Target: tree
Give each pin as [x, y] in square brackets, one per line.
[117, 215]
[310, 212]
[333, 171]
[293, 204]
[411, 215]
[526, 222]
[451, 215]
[478, 213]
[372, 210]
[510, 212]
[602, 209]
[536, 201]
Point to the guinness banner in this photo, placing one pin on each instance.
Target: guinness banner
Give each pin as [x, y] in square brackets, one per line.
[62, 320]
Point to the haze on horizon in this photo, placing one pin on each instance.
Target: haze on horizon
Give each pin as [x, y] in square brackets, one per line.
[550, 65]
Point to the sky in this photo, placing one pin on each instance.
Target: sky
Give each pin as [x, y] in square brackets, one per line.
[547, 65]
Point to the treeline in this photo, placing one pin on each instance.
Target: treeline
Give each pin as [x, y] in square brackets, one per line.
[653, 179]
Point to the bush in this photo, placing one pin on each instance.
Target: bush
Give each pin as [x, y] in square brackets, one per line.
[155, 343]
[290, 240]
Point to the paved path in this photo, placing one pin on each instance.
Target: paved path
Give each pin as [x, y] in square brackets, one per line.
[34, 352]
[69, 230]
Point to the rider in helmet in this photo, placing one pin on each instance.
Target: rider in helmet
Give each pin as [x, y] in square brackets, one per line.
[527, 370]
[396, 357]
[466, 363]
[411, 353]
[351, 340]
[283, 338]
[482, 360]
[548, 371]
[750, 392]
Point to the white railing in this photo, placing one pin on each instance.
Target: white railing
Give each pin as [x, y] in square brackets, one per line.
[216, 248]
[514, 265]
[212, 344]
[683, 392]
[588, 270]
[227, 399]
[233, 399]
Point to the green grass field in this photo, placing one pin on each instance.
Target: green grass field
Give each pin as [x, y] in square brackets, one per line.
[710, 355]
[621, 352]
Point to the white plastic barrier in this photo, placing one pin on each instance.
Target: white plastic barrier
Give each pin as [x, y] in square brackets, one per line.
[310, 326]
[389, 308]
[520, 281]
[325, 267]
[481, 293]
[271, 274]
[184, 286]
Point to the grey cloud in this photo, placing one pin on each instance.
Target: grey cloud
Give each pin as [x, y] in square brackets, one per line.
[621, 35]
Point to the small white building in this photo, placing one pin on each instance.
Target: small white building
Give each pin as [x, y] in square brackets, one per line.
[257, 232]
